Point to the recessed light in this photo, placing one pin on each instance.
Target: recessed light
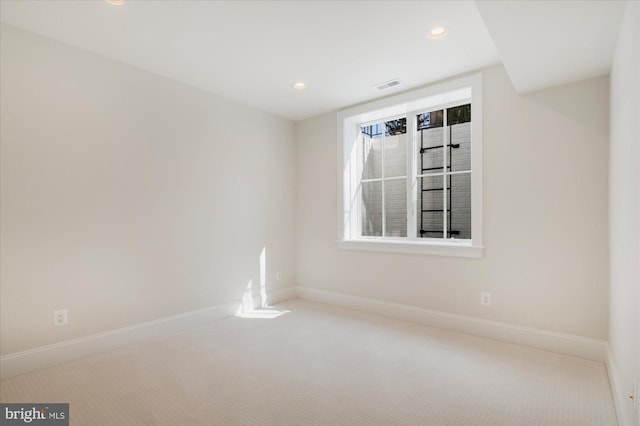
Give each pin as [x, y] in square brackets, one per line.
[437, 32]
[115, 2]
[299, 85]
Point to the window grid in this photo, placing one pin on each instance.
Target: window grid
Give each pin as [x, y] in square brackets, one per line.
[382, 130]
[466, 173]
[446, 174]
[464, 115]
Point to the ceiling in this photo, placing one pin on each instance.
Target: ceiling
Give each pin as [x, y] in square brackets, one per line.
[254, 51]
[548, 43]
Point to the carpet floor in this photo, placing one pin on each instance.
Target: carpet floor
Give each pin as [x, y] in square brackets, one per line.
[304, 363]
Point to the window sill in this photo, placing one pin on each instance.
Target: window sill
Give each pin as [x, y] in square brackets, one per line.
[413, 247]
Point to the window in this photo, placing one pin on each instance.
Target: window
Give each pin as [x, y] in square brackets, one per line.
[411, 175]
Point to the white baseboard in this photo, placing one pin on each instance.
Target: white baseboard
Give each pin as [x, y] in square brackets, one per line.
[282, 295]
[582, 347]
[46, 356]
[620, 399]
[23, 362]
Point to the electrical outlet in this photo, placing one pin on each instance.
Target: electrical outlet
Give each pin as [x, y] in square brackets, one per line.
[278, 276]
[485, 298]
[60, 317]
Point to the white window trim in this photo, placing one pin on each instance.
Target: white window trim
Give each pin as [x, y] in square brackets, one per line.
[348, 120]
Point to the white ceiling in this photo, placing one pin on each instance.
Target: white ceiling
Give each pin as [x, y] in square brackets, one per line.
[254, 51]
[548, 43]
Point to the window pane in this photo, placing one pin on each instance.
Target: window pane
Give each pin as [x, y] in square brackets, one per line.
[371, 208]
[458, 115]
[373, 131]
[429, 146]
[395, 203]
[459, 204]
[430, 220]
[395, 152]
[460, 153]
[371, 151]
[430, 120]
[396, 127]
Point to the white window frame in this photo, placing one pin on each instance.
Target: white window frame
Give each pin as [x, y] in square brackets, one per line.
[433, 97]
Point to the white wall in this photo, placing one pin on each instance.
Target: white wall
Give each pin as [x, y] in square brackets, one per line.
[545, 226]
[128, 197]
[624, 216]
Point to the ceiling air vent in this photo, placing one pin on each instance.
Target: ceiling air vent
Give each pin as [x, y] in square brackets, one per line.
[386, 84]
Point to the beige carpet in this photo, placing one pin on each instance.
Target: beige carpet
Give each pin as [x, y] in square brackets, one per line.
[305, 363]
